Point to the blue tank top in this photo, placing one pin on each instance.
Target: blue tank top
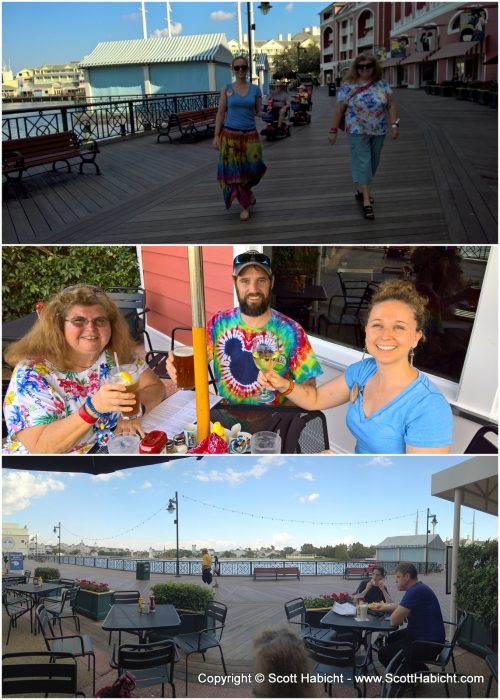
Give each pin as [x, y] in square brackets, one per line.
[241, 110]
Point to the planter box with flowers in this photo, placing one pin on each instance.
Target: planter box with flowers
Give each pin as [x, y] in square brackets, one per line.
[93, 599]
[317, 607]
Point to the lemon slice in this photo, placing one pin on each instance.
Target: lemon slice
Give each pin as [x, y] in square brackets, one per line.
[125, 376]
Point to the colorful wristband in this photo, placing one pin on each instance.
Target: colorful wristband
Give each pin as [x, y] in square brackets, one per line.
[85, 416]
[333, 131]
[290, 388]
[94, 410]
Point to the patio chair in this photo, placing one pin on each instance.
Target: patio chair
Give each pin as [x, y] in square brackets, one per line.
[27, 576]
[337, 659]
[66, 604]
[15, 607]
[39, 672]
[132, 304]
[480, 445]
[76, 644]
[150, 664]
[296, 609]
[434, 654]
[492, 658]
[124, 598]
[207, 638]
[354, 298]
[397, 666]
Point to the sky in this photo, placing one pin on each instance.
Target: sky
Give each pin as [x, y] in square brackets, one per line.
[35, 33]
[360, 499]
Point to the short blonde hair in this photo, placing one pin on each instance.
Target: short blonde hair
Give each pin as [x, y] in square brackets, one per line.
[352, 75]
[46, 339]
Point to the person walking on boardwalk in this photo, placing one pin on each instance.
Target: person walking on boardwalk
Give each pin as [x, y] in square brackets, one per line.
[216, 570]
[240, 165]
[206, 566]
[364, 100]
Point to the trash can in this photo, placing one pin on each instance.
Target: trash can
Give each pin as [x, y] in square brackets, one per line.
[143, 571]
[332, 89]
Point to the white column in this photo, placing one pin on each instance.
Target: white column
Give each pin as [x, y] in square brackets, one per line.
[240, 32]
[147, 82]
[454, 553]
[212, 78]
[86, 80]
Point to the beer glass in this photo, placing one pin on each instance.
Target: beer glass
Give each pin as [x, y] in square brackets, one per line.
[184, 365]
[128, 375]
[264, 354]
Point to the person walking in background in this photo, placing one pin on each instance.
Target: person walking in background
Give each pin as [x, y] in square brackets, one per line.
[206, 566]
[364, 100]
[216, 571]
[240, 165]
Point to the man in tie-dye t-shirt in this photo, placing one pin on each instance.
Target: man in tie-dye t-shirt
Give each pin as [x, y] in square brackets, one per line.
[230, 336]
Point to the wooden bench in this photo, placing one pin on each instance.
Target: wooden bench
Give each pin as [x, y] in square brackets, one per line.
[275, 572]
[191, 125]
[356, 572]
[21, 154]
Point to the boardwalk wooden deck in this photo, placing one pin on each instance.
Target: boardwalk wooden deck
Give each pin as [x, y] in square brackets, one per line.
[436, 184]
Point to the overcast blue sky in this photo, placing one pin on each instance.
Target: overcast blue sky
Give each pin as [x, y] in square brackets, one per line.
[127, 508]
[35, 33]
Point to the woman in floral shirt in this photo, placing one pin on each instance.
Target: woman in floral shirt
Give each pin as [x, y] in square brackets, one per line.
[365, 99]
[59, 398]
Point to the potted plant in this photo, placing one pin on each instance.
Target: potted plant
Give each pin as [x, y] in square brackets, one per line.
[447, 88]
[190, 601]
[93, 599]
[48, 573]
[477, 593]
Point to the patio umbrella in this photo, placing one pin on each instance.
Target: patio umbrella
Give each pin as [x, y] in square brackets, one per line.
[88, 464]
[197, 290]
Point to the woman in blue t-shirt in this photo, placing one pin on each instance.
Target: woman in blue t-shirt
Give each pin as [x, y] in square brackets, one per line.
[240, 152]
[393, 408]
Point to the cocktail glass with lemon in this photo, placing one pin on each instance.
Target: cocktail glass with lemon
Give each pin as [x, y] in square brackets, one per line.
[128, 375]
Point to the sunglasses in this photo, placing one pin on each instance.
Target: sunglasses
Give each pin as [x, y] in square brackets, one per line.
[252, 257]
[91, 287]
[240, 67]
[365, 66]
[81, 322]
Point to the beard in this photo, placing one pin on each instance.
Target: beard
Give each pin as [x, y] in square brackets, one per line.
[254, 308]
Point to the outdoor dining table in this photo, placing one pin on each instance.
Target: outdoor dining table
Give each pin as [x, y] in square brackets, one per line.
[127, 618]
[34, 592]
[373, 623]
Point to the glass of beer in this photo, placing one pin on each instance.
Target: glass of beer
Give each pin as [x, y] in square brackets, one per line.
[184, 364]
[128, 375]
[264, 355]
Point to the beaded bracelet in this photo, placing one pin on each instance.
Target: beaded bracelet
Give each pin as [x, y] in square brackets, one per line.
[94, 410]
[290, 388]
[102, 430]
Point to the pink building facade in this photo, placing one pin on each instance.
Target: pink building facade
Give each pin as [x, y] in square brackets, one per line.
[416, 42]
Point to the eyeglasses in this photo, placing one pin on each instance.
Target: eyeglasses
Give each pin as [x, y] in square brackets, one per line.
[240, 67]
[251, 257]
[81, 322]
[91, 287]
[366, 66]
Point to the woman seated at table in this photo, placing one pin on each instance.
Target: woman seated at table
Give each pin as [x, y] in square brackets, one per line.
[59, 398]
[393, 408]
[373, 590]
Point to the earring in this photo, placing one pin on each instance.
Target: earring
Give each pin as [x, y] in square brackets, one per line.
[412, 355]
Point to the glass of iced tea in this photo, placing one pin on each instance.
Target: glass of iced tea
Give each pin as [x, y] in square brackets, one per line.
[128, 375]
[184, 364]
[264, 354]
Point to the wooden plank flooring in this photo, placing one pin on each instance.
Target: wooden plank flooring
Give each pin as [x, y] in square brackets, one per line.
[436, 184]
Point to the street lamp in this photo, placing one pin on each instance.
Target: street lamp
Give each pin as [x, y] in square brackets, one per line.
[35, 540]
[57, 528]
[173, 507]
[434, 522]
[264, 7]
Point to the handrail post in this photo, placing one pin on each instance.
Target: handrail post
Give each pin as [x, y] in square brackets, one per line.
[64, 118]
[131, 116]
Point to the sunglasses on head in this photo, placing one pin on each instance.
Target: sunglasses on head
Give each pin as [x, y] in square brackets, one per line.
[91, 287]
[240, 67]
[365, 66]
[259, 258]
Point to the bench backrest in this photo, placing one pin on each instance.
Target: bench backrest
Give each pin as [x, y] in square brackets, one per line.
[210, 111]
[38, 145]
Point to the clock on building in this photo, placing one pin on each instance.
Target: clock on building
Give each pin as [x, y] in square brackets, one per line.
[8, 543]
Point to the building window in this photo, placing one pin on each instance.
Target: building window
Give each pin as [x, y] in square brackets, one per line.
[328, 289]
[408, 9]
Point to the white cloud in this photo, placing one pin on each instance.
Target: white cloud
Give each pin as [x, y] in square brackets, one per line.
[282, 539]
[304, 475]
[132, 491]
[221, 16]
[309, 499]
[380, 462]
[290, 6]
[147, 485]
[21, 487]
[175, 29]
[132, 17]
[232, 476]
[271, 461]
[108, 477]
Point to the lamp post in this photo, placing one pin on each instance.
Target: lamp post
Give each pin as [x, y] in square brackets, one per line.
[173, 507]
[35, 540]
[298, 56]
[264, 7]
[57, 528]
[434, 523]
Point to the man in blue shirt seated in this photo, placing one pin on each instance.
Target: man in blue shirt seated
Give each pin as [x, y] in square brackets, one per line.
[420, 607]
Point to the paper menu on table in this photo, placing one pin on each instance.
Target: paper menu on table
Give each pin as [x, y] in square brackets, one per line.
[173, 414]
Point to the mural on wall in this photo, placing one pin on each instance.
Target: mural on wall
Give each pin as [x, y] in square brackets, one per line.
[381, 53]
[399, 47]
[472, 25]
[426, 39]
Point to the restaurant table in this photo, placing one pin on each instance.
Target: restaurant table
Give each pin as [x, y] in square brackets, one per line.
[373, 623]
[313, 292]
[34, 592]
[127, 618]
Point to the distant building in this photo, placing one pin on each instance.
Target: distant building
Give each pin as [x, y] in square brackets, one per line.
[175, 65]
[47, 80]
[15, 538]
[411, 548]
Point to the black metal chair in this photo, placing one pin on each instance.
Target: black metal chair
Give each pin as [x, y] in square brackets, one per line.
[15, 607]
[354, 298]
[207, 638]
[335, 658]
[480, 445]
[76, 644]
[124, 598]
[27, 576]
[150, 664]
[438, 654]
[39, 672]
[296, 609]
[397, 666]
[66, 604]
[132, 304]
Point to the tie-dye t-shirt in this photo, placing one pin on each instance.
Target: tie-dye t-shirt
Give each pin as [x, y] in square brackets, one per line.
[229, 341]
[366, 112]
[39, 394]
